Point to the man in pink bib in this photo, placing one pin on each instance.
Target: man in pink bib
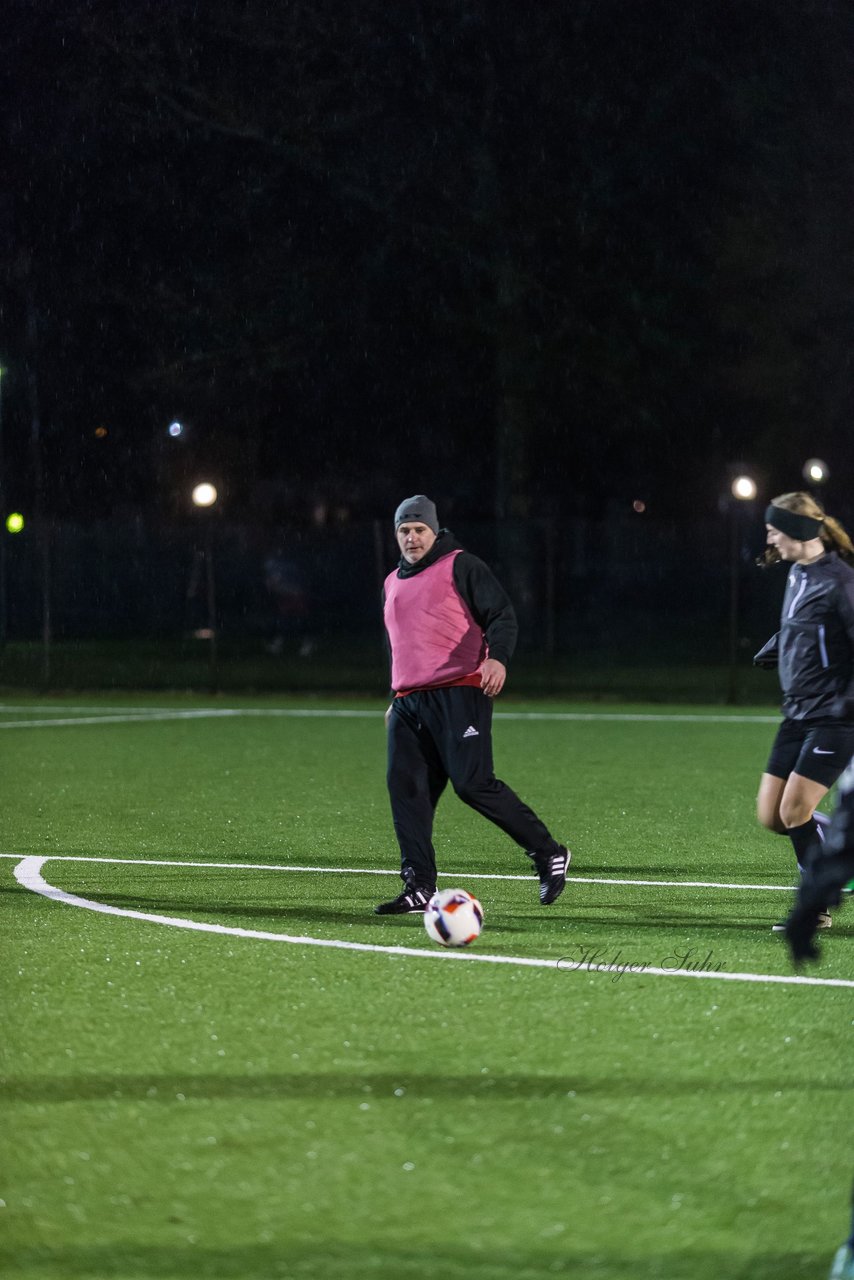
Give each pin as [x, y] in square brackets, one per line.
[451, 632]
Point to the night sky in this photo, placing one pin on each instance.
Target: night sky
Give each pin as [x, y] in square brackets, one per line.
[529, 259]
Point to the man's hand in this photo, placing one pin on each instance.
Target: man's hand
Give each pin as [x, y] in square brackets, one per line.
[492, 676]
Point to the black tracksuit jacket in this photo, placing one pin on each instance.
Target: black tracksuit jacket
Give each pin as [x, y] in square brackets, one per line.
[816, 641]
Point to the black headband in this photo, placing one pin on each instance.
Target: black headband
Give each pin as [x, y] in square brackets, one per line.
[801, 528]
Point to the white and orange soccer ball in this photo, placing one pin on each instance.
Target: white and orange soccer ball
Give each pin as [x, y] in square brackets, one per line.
[453, 918]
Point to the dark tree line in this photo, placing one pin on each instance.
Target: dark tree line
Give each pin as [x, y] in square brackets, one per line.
[541, 258]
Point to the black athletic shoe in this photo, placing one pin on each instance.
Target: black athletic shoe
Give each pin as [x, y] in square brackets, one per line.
[406, 903]
[551, 868]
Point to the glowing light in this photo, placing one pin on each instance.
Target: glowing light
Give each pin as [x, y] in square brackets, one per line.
[204, 495]
[100, 432]
[175, 429]
[816, 471]
[639, 506]
[14, 522]
[743, 488]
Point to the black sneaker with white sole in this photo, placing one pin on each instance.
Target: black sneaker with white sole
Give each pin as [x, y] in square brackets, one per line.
[551, 868]
[407, 903]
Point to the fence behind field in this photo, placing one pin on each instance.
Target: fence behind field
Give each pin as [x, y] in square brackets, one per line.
[626, 591]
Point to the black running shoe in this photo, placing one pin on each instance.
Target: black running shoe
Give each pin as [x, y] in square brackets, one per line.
[406, 903]
[551, 868]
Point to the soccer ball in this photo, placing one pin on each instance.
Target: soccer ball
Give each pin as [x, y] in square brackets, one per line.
[453, 918]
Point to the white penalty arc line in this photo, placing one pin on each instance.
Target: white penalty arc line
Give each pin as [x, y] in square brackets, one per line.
[122, 716]
[28, 874]
[372, 871]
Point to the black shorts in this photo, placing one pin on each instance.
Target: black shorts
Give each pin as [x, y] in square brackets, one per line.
[815, 749]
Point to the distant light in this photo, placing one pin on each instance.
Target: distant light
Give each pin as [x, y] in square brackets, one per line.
[639, 506]
[816, 471]
[14, 522]
[204, 495]
[175, 429]
[100, 432]
[744, 488]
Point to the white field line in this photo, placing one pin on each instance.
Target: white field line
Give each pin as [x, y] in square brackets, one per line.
[28, 874]
[24, 707]
[121, 716]
[370, 871]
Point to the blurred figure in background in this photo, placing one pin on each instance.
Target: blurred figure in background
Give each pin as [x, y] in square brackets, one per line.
[829, 868]
[285, 581]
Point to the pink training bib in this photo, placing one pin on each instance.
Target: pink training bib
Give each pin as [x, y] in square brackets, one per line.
[434, 638]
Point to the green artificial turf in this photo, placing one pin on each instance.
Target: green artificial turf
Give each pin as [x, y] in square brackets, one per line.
[181, 1103]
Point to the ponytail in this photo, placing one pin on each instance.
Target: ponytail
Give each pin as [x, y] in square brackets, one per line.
[835, 538]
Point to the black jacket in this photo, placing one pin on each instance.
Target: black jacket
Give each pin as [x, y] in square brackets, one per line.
[816, 641]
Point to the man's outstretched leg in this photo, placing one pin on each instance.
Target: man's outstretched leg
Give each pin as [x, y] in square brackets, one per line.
[466, 745]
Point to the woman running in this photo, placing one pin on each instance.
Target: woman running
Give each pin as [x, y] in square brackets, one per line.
[815, 657]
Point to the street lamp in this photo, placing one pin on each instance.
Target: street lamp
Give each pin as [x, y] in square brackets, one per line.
[816, 471]
[743, 489]
[204, 496]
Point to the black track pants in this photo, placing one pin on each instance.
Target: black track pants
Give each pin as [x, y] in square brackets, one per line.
[443, 735]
